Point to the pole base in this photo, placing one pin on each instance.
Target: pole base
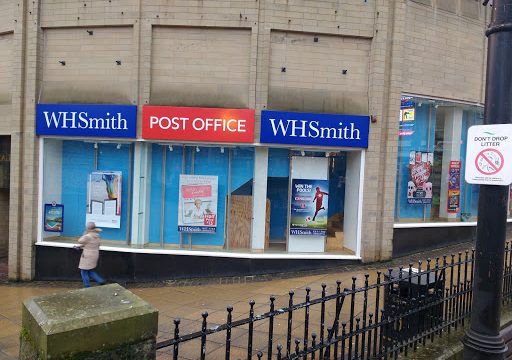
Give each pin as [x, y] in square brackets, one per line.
[480, 346]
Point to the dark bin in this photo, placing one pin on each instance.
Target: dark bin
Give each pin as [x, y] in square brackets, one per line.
[415, 303]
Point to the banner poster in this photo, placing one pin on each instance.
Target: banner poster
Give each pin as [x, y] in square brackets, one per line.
[53, 217]
[104, 199]
[453, 203]
[407, 116]
[309, 207]
[197, 208]
[419, 186]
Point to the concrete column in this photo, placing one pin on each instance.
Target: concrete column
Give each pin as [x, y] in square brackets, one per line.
[141, 194]
[451, 152]
[259, 198]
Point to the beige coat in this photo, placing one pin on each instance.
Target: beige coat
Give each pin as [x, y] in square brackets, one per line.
[90, 243]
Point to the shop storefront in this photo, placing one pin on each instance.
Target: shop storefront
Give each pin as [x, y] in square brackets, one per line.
[434, 204]
[196, 185]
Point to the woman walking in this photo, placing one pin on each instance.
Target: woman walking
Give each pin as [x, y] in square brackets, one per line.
[90, 243]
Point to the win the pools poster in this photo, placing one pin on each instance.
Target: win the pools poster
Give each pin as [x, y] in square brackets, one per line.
[197, 211]
[309, 208]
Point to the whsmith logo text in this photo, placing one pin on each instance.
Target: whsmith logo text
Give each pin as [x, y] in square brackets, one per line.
[313, 129]
[299, 128]
[90, 120]
[81, 120]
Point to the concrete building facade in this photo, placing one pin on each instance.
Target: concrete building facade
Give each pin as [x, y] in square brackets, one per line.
[360, 57]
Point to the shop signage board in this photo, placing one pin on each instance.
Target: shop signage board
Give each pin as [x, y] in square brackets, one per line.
[198, 124]
[86, 120]
[104, 199]
[489, 155]
[309, 207]
[296, 128]
[197, 207]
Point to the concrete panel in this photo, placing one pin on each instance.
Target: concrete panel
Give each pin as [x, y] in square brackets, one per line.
[443, 54]
[424, 2]
[7, 15]
[448, 5]
[6, 68]
[90, 73]
[200, 67]
[471, 9]
[307, 73]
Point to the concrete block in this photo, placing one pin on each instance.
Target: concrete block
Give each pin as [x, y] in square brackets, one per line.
[101, 322]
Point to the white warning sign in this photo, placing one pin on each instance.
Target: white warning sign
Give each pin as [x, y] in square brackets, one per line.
[489, 155]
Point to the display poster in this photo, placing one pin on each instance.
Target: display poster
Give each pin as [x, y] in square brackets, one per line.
[53, 217]
[419, 186]
[309, 207]
[453, 203]
[407, 117]
[104, 199]
[197, 212]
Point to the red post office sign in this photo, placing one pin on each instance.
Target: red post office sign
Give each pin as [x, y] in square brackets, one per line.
[198, 124]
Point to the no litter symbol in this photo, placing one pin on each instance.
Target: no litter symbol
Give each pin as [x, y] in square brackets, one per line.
[489, 161]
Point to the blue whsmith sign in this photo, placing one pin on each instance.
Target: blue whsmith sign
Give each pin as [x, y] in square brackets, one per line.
[111, 121]
[296, 128]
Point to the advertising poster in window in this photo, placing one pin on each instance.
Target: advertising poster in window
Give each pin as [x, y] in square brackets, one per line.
[453, 203]
[419, 186]
[407, 116]
[197, 208]
[53, 217]
[309, 207]
[104, 199]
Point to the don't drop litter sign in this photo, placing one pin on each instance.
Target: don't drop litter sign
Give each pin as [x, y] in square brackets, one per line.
[489, 155]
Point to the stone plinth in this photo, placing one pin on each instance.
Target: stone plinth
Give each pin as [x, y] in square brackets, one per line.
[102, 322]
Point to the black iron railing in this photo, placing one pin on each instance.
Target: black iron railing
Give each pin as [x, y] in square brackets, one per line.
[376, 317]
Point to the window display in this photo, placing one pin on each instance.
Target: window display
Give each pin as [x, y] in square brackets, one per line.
[91, 180]
[201, 197]
[431, 158]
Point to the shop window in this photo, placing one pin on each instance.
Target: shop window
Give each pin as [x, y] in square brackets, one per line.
[432, 160]
[86, 181]
[306, 202]
[201, 197]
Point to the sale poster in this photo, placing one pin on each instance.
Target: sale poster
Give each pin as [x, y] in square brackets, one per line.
[104, 199]
[53, 217]
[419, 186]
[309, 207]
[453, 203]
[197, 208]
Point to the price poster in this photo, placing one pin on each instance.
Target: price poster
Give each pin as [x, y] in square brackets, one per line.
[197, 211]
[453, 203]
[419, 186]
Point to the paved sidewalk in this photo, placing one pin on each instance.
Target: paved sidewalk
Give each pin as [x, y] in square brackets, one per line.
[188, 302]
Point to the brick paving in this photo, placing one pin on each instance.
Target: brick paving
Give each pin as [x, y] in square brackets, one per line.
[188, 299]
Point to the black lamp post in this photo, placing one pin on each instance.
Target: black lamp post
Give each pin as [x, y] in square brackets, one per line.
[483, 340]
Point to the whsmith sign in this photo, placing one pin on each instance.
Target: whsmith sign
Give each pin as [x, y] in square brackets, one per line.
[110, 121]
[282, 127]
